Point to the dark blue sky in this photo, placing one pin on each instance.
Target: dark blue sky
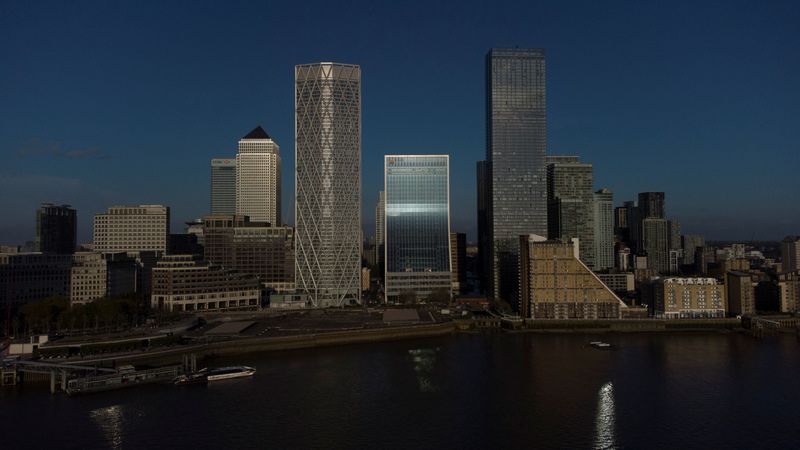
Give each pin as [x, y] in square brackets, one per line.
[106, 103]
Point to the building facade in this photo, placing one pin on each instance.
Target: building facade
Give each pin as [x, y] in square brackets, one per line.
[184, 283]
[655, 243]
[132, 229]
[570, 204]
[740, 293]
[618, 282]
[417, 225]
[790, 254]
[223, 186]
[603, 229]
[258, 178]
[328, 183]
[556, 284]
[56, 229]
[516, 140]
[97, 275]
[690, 244]
[380, 231]
[789, 291]
[253, 248]
[28, 277]
[458, 263]
[675, 298]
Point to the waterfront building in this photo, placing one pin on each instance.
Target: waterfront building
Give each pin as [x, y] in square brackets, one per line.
[223, 186]
[56, 229]
[789, 291]
[185, 283]
[132, 229]
[556, 284]
[417, 225]
[253, 248]
[676, 297]
[458, 263]
[516, 139]
[790, 254]
[618, 282]
[570, 203]
[328, 183]
[690, 243]
[28, 277]
[603, 229]
[740, 293]
[97, 275]
[258, 178]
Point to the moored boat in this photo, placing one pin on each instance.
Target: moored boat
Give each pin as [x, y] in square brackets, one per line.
[225, 373]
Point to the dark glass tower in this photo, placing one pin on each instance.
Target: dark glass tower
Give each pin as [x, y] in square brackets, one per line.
[516, 137]
[56, 229]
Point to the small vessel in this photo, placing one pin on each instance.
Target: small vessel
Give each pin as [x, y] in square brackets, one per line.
[225, 373]
[198, 377]
[600, 344]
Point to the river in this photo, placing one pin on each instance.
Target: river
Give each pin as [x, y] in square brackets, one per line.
[680, 390]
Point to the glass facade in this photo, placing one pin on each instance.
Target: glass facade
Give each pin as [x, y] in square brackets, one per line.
[328, 183]
[223, 186]
[516, 135]
[417, 198]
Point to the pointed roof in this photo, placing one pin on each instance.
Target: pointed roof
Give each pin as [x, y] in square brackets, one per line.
[257, 133]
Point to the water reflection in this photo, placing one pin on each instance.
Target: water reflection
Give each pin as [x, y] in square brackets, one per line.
[605, 419]
[424, 360]
[109, 420]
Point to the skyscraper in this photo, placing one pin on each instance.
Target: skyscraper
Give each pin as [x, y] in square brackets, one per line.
[56, 229]
[790, 253]
[603, 229]
[417, 225]
[380, 230]
[258, 178]
[223, 186]
[570, 204]
[515, 150]
[328, 182]
[484, 239]
[651, 205]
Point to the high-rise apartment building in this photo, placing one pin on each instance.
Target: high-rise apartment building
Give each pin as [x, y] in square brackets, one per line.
[258, 178]
[555, 284]
[223, 186]
[56, 229]
[516, 138]
[132, 229]
[603, 229]
[655, 243]
[570, 204]
[651, 205]
[328, 182]
[790, 254]
[417, 225]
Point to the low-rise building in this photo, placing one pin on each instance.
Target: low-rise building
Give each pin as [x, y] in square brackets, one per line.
[132, 229]
[185, 283]
[97, 275]
[556, 284]
[28, 277]
[688, 297]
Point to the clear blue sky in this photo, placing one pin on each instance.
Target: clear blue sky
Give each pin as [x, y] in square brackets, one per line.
[111, 102]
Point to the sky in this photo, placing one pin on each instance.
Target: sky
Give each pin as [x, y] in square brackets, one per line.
[112, 102]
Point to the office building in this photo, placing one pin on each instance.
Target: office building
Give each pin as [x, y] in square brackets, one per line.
[185, 283]
[458, 263]
[258, 178]
[790, 253]
[484, 261]
[603, 229]
[655, 243]
[675, 298]
[97, 275]
[328, 183]
[132, 229]
[380, 230]
[417, 225]
[674, 232]
[690, 243]
[253, 248]
[28, 277]
[56, 229]
[570, 204]
[556, 284]
[652, 205]
[223, 186]
[516, 139]
[740, 292]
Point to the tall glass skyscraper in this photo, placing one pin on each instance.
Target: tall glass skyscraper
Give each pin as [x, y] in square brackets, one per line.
[328, 183]
[417, 198]
[516, 136]
[223, 186]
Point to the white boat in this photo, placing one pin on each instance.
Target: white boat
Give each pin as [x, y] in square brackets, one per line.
[600, 344]
[225, 373]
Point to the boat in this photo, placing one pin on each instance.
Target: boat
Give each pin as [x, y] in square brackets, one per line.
[600, 344]
[225, 373]
[198, 377]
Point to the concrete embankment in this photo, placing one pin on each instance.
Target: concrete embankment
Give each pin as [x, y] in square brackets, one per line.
[623, 325]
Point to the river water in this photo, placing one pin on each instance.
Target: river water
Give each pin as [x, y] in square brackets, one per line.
[675, 391]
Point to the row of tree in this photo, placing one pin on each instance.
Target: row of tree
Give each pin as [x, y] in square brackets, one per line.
[56, 315]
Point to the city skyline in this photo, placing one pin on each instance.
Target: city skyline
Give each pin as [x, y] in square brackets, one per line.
[75, 149]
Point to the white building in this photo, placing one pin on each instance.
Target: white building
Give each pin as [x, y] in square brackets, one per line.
[132, 229]
[258, 178]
